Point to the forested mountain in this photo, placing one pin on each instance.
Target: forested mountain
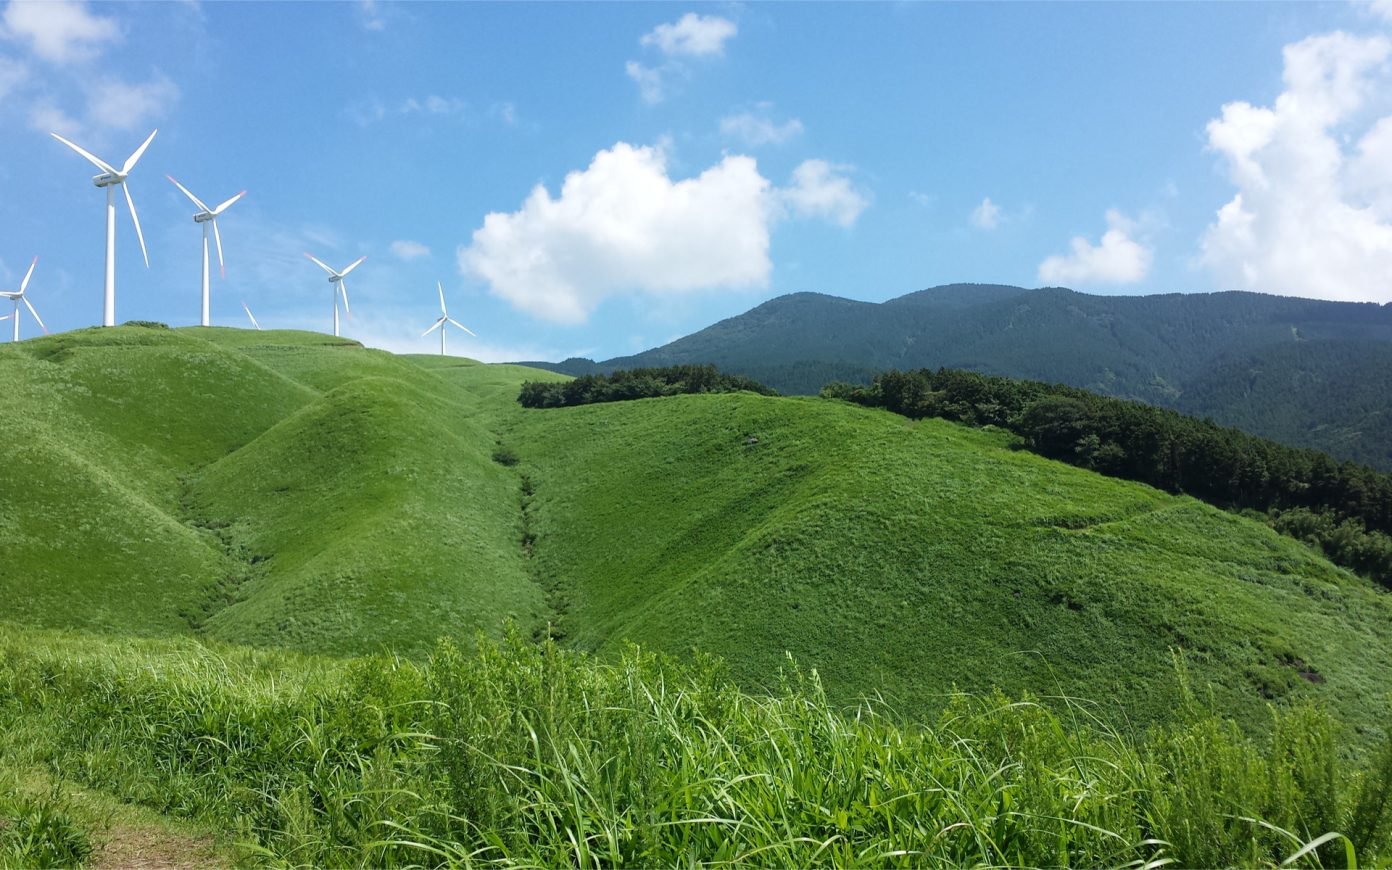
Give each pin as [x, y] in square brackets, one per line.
[1306, 372]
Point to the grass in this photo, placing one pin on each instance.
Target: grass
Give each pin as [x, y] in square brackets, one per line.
[909, 559]
[525, 754]
[296, 490]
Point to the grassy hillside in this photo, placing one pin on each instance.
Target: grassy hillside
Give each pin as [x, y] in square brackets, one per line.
[295, 490]
[274, 488]
[915, 558]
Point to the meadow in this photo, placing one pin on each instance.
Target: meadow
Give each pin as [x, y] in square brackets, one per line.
[297, 602]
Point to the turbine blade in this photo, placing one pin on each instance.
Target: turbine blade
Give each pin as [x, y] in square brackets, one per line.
[441, 288]
[462, 326]
[354, 265]
[249, 315]
[30, 306]
[136, 220]
[320, 263]
[196, 201]
[343, 288]
[439, 323]
[134, 158]
[25, 283]
[95, 160]
[217, 237]
[222, 208]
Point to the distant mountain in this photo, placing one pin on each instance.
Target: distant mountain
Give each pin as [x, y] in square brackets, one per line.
[1306, 372]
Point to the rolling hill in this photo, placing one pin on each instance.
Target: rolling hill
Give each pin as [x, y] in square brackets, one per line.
[298, 491]
[1193, 352]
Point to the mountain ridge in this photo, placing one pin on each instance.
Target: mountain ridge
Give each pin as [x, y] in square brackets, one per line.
[1177, 350]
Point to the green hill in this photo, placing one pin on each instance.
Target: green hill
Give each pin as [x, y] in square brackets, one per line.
[294, 490]
[1193, 352]
[915, 558]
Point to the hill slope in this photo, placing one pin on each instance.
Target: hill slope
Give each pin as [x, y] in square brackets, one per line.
[916, 558]
[1191, 352]
[290, 489]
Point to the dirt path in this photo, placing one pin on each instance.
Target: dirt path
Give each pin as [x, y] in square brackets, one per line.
[139, 847]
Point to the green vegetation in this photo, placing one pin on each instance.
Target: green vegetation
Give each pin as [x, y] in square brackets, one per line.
[1344, 509]
[205, 529]
[526, 754]
[1304, 372]
[628, 384]
[907, 559]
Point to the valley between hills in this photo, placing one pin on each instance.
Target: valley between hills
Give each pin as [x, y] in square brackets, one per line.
[215, 539]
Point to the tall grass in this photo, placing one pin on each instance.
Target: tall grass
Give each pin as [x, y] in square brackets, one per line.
[525, 754]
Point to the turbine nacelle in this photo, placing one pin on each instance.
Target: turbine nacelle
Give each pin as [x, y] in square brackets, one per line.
[203, 217]
[107, 179]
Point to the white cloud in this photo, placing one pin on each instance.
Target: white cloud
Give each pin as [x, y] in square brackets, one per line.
[405, 249]
[819, 190]
[756, 129]
[370, 16]
[1118, 259]
[47, 117]
[649, 80]
[1312, 215]
[622, 226]
[13, 73]
[127, 106]
[1381, 8]
[925, 200]
[59, 31]
[433, 105]
[986, 216]
[692, 36]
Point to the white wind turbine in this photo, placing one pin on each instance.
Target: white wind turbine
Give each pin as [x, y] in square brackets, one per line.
[17, 296]
[336, 279]
[250, 316]
[111, 178]
[443, 319]
[206, 216]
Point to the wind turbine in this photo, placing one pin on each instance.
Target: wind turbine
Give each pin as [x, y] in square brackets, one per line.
[443, 319]
[17, 296]
[205, 217]
[336, 279]
[111, 178]
[250, 316]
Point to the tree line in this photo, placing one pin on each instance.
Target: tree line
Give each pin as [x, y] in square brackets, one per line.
[628, 384]
[1343, 508]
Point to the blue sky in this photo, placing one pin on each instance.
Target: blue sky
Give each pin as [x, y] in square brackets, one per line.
[595, 179]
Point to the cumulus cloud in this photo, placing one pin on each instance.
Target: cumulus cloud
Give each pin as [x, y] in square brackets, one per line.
[820, 189]
[692, 36]
[1117, 259]
[758, 129]
[405, 249]
[986, 216]
[624, 226]
[59, 31]
[1312, 215]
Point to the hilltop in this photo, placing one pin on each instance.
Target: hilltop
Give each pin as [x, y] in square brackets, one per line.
[293, 490]
[1305, 372]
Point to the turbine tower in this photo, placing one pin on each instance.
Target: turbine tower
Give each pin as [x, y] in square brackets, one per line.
[17, 296]
[207, 216]
[336, 279]
[111, 178]
[443, 319]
